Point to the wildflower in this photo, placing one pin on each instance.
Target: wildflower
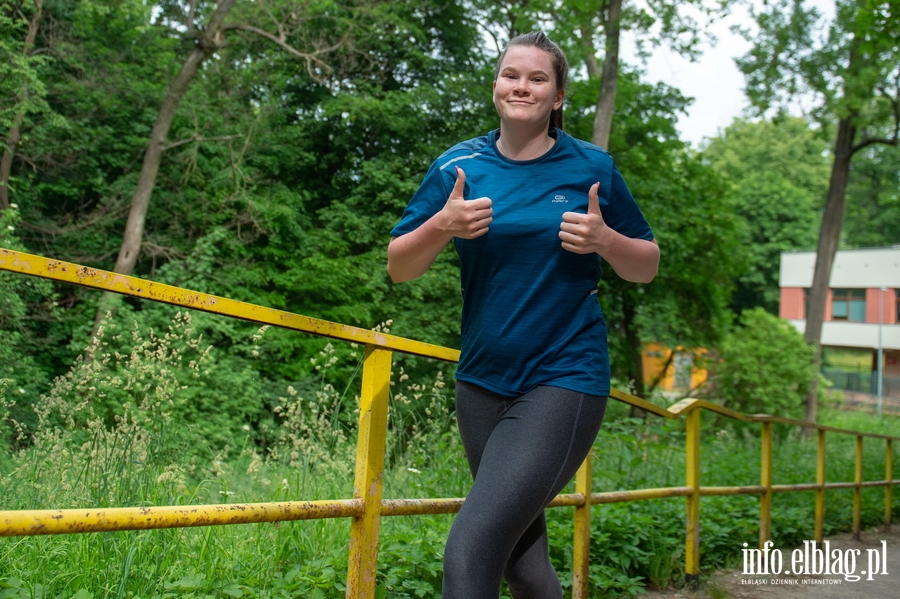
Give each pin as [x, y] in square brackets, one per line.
[255, 464]
[10, 227]
[414, 471]
[226, 493]
[13, 205]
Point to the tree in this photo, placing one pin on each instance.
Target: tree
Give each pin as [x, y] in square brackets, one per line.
[873, 199]
[295, 211]
[778, 171]
[290, 20]
[208, 40]
[688, 206]
[586, 25]
[852, 73]
[19, 72]
[583, 26]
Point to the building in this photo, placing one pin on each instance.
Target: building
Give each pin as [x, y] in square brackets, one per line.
[863, 307]
[678, 373]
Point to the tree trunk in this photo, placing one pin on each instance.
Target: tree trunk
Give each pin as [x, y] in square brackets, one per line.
[607, 100]
[590, 53]
[11, 141]
[15, 131]
[829, 238]
[140, 201]
[635, 351]
[208, 41]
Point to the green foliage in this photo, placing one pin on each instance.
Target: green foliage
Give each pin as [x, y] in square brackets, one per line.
[292, 207]
[872, 218]
[779, 175]
[279, 187]
[766, 366]
[26, 306]
[21, 85]
[701, 253]
[849, 68]
[849, 64]
[634, 544]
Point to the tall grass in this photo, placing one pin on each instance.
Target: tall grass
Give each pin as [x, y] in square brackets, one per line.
[140, 451]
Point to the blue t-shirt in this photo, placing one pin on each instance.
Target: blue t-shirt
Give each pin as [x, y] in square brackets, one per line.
[530, 312]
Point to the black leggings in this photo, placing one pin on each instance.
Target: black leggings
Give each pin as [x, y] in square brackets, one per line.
[522, 451]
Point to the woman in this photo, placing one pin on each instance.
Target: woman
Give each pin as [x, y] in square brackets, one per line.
[531, 211]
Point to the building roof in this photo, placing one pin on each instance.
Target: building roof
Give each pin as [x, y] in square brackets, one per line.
[856, 268]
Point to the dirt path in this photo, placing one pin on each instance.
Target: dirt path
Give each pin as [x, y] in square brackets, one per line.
[733, 584]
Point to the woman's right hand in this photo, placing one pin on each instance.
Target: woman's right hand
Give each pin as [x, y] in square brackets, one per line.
[466, 219]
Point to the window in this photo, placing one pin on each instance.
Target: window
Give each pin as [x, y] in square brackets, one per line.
[897, 303]
[848, 304]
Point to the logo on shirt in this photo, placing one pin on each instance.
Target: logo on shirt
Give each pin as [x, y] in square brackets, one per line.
[558, 198]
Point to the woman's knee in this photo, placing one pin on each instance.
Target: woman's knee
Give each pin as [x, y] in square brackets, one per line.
[533, 581]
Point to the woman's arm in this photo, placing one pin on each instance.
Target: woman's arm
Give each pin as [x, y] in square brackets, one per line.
[635, 260]
[412, 254]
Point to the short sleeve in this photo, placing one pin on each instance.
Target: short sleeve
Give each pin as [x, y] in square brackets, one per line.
[425, 203]
[623, 214]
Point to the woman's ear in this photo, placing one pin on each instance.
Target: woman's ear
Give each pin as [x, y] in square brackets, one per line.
[560, 96]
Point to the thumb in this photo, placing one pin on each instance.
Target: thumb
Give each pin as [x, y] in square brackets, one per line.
[460, 186]
[594, 199]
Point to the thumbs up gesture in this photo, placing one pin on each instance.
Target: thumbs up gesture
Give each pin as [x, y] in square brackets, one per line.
[584, 233]
[463, 218]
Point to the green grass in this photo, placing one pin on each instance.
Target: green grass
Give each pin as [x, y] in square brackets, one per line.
[847, 359]
[633, 544]
[143, 457]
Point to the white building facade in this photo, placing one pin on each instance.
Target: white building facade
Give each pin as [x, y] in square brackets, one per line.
[863, 306]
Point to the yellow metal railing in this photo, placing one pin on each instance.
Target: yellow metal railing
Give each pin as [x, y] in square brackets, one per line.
[367, 505]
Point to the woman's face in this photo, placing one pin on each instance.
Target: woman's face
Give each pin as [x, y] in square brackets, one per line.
[525, 90]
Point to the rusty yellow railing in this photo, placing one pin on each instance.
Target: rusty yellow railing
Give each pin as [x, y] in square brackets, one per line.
[367, 505]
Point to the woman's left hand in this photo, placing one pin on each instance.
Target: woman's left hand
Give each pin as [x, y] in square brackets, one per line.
[585, 233]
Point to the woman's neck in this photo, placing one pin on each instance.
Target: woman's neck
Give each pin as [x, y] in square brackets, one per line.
[516, 144]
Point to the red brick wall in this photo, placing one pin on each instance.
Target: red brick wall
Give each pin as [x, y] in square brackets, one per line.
[888, 300]
[791, 304]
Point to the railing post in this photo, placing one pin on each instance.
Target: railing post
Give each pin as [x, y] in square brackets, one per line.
[765, 480]
[367, 485]
[820, 492]
[889, 476]
[857, 490]
[581, 553]
[692, 453]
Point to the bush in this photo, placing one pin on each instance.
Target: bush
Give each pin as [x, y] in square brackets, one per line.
[25, 304]
[766, 366]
